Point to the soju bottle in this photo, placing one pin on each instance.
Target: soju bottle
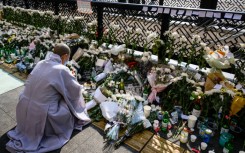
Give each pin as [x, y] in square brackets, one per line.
[228, 148]
[121, 85]
[196, 110]
[225, 125]
[93, 74]
[41, 55]
[165, 122]
[145, 92]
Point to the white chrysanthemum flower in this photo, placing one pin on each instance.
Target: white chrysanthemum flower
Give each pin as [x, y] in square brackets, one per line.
[195, 93]
[190, 81]
[151, 36]
[144, 59]
[172, 67]
[196, 38]
[199, 92]
[167, 70]
[114, 97]
[138, 31]
[176, 79]
[201, 83]
[203, 44]
[166, 32]
[174, 35]
[231, 93]
[94, 22]
[183, 39]
[242, 45]
[78, 18]
[184, 74]
[129, 29]
[212, 91]
[116, 27]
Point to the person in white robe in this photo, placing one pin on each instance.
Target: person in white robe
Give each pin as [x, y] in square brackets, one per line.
[50, 107]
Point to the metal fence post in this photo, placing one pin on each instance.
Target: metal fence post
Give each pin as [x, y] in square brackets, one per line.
[165, 23]
[209, 4]
[26, 4]
[161, 2]
[4, 2]
[100, 21]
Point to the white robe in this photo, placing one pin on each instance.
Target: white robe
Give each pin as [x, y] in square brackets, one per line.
[46, 109]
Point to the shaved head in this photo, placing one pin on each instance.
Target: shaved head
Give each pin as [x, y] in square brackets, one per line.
[62, 49]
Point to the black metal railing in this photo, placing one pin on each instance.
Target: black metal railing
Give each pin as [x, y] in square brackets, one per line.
[215, 27]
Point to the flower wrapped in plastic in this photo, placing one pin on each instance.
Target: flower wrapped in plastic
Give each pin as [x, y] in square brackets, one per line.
[159, 79]
[219, 59]
[138, 124]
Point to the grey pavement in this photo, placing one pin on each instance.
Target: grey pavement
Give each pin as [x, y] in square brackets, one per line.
[89, 140]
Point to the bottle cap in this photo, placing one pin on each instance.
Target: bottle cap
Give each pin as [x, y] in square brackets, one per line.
[208, 131]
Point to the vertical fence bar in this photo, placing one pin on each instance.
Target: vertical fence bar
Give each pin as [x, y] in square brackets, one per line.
[161, 2]
[100, 21]
[165, 23]
[26, 4]
[4, 2]
[209, 4]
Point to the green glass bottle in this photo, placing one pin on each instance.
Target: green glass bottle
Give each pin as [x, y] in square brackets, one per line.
[165, 122]
[228, 147]
[145, 92]
[225, 125]
[196, 109]
[121, 85]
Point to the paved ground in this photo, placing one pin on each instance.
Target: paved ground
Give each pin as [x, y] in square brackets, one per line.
[89, 140]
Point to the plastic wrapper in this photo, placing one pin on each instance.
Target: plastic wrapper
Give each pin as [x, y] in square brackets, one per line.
[115, 50]
[78, 54]
[138, 114]
[107, 69]
[109, 110]
[113, 132]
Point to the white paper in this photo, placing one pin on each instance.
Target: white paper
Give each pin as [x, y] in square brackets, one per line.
[188, 13]
[145, 8]
[153, 9]
[195, 12]
[173, 12]
[238, 86]
[90, 104]
[181, 12]
[100, 62]
[166, 10]
[218, 86]
[243, 90]
[202, 13]
[160, 10]
[228, 15]
[37, 59]
[237, 16]
[209, 14]
[197, 76]
[98, 96]
[109, 110]
[217, 15]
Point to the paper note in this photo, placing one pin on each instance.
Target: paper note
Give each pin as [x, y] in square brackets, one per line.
[237, 16]
[145, 8]
[166, 11]
[228, 15]
[84, 7]
[202, 13]
[173, 12]
[209, 14]
[188, 13]
[218, 86]
[195, 12]
[181, 12]
[153, 9]
[160, 10]
[217, 15]
[238, 86]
